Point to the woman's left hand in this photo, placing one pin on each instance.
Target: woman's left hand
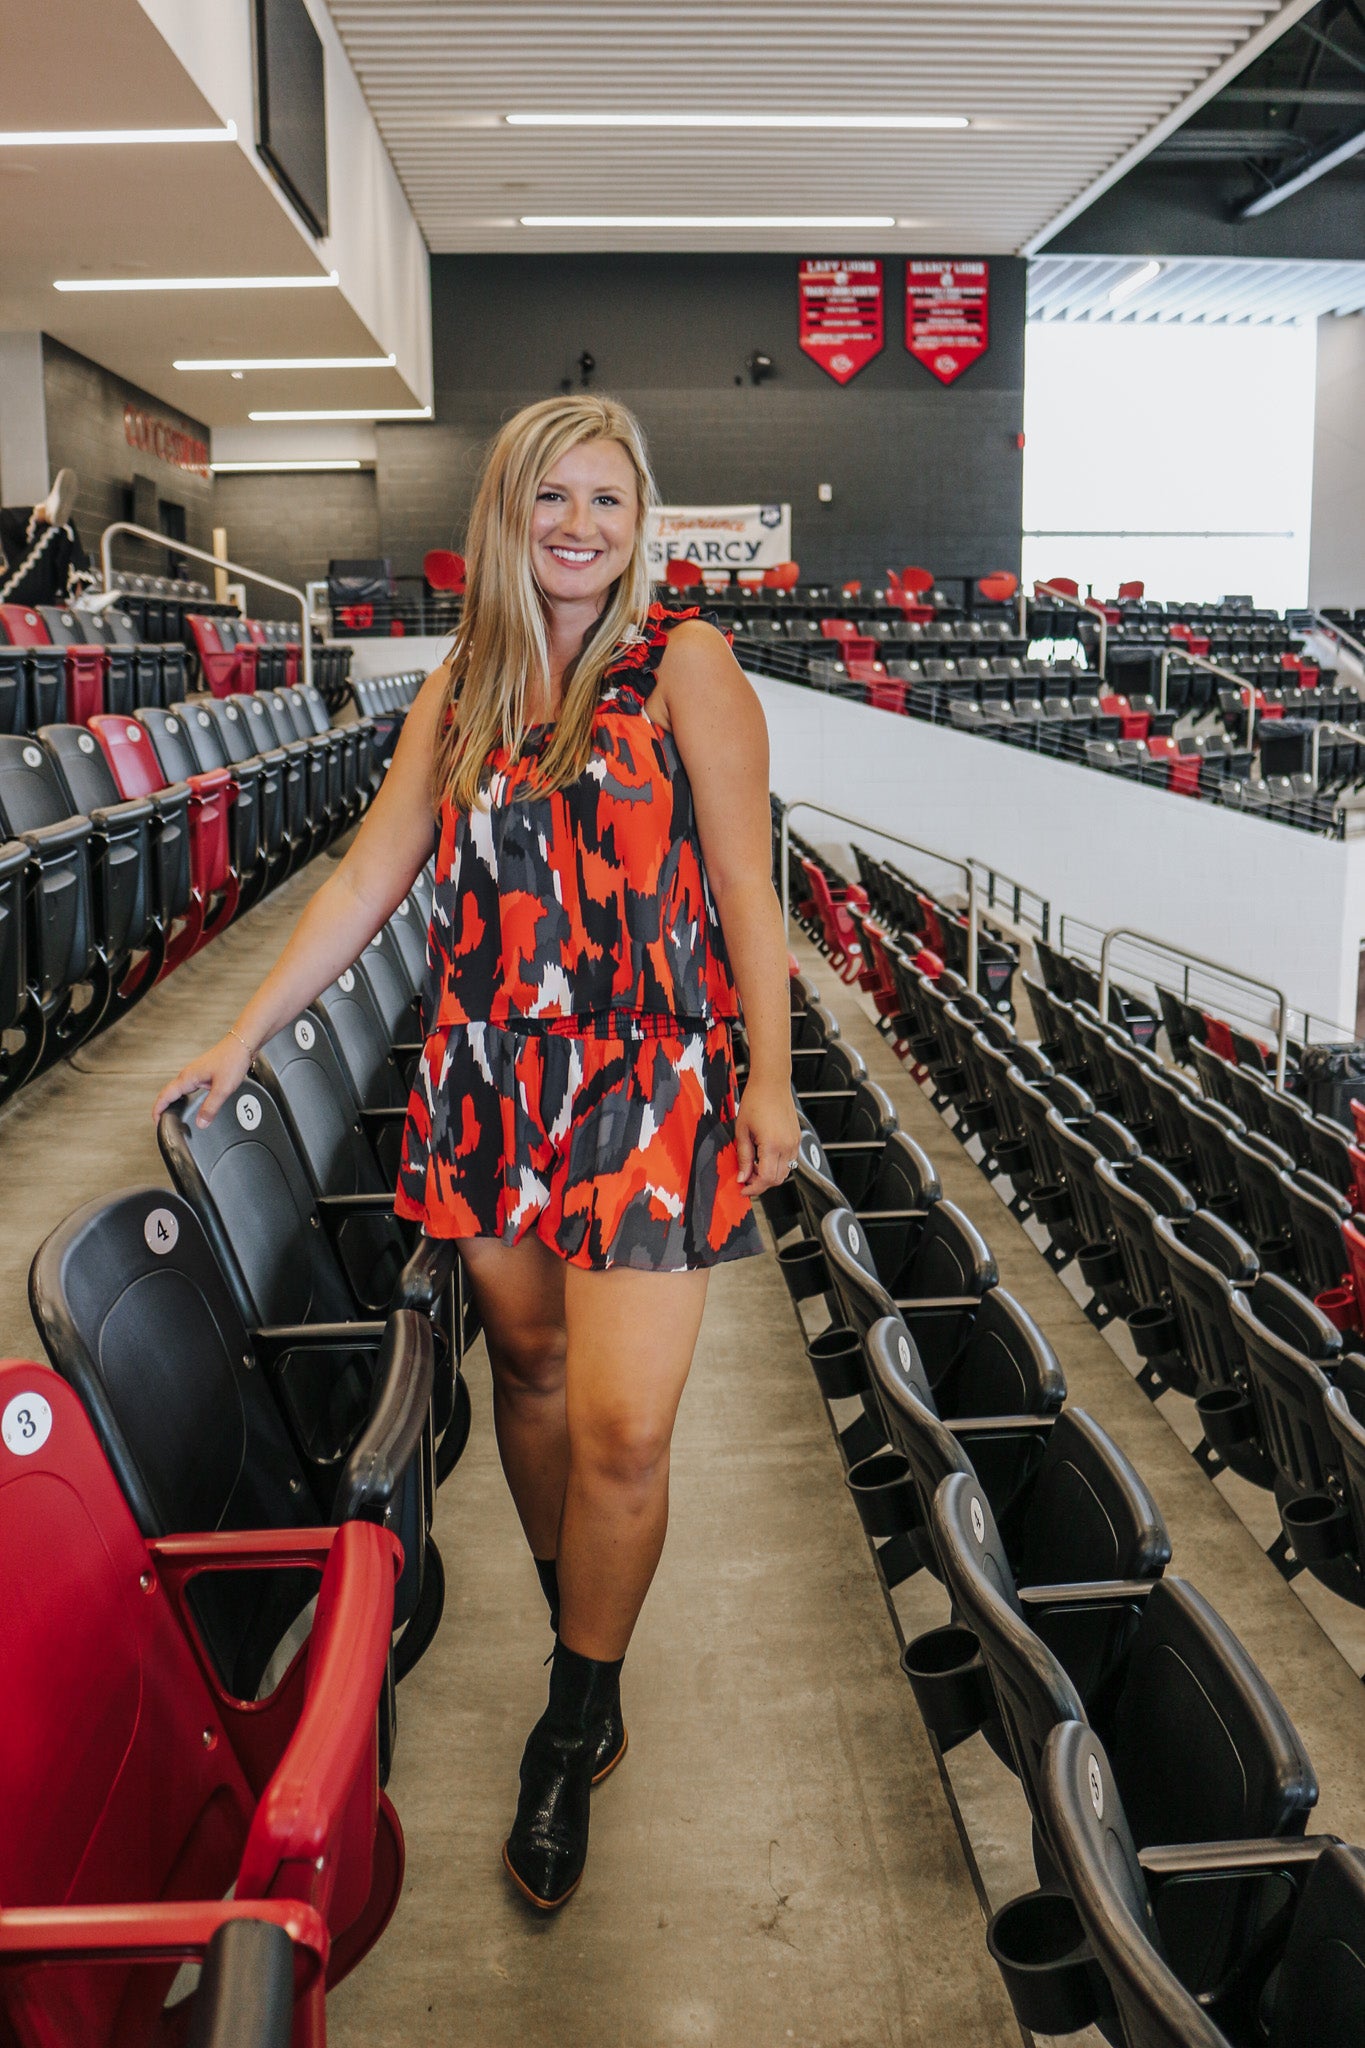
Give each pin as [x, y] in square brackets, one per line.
[767, 1133]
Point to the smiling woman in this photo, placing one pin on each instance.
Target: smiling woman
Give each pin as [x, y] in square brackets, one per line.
[603, 906]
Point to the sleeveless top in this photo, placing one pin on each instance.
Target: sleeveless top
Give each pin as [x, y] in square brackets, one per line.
[590, 902]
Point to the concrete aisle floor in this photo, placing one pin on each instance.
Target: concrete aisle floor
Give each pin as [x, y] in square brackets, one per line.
[1211, 1545]
[775, 1861]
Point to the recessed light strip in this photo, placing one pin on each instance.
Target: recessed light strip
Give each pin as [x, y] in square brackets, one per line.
[284, 362]
[708, 220]
[675, 119]
[259, 468]
[360, 412]
[77, 138]
[1134, 281]
[192, 284]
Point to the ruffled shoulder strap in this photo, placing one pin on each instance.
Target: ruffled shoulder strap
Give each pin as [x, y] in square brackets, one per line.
[636, 667]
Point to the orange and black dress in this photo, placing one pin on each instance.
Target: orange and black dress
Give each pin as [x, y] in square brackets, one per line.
[577, 1077]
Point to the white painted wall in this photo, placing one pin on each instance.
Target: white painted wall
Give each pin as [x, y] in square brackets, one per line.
[1336, 570]
[375, 244]
[24, 473]
[1276, 903]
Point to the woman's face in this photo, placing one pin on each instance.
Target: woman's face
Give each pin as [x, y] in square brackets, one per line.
[583, 523]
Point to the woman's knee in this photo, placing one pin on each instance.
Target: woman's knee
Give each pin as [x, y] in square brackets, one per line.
[620, 1447]
[528, 1362]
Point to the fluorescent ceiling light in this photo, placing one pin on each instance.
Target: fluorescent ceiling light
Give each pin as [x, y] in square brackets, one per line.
[191, 284]
[242, 468]
[708, 220]
[360, 412]
[72, 138]
[1134, 282]
[709, 120]
[284, 362]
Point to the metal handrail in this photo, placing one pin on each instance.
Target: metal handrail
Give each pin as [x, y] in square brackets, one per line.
[964, 868]
[1175, 652]
[1121, 931]
[180, 547]
[1082, 604]
[1345, 732]
[1337, 632]
[996, 876]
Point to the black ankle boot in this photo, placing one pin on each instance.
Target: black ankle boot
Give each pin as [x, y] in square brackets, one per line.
[610, 1745]
[548, 1845]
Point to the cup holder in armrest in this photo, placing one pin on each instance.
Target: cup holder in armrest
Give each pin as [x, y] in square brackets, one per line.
[1318, 1528]
[1012, 1156]
[1227, 1417]
[1045, 1959]
[1051, 1203]
[950, 1682]
[1154, 1332]
[837, 1359]
[781, 1207]
[1338, 1304]
[803, 1268]
[884, 1494]
[1101, 1267]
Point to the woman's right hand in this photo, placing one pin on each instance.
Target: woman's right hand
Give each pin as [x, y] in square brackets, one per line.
[221, 1069]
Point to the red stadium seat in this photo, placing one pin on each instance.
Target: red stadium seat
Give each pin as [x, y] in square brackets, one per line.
[682, 575]
[86, 664]
[831, 906]
[1131, 590]
[444, 570]
[999, 587]
[45, 664]
[218, 657]
[215, 887]
[915, 582]
[139, 1791]
[1064, 583]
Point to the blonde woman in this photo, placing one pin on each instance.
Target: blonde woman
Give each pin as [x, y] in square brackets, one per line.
[597, 770]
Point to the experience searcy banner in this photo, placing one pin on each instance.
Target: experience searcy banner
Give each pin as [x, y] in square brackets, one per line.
[843, 317]
[947, 314]
[719, 536]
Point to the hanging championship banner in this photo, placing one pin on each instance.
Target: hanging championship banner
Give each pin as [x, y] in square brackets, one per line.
[718, 536]
[947, 314]
[843, 322]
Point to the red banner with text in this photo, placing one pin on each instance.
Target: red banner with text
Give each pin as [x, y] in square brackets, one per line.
[843, 317]
[947, 314]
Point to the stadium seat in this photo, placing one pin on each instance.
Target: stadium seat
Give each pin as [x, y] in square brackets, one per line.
[131, 918]
[204, 802]
[62, 947]
[86, 663]
[199, 1416]
[120, 1848]
[44, 666]
[224, 672]
[1201, 1748]
[1291, 1973]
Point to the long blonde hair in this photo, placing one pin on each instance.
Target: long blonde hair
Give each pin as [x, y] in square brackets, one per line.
[501, 645]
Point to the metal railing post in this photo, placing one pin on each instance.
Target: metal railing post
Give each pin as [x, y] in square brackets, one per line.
[1082, 604]
[180, 547]
[948, 860]
[1121, 931]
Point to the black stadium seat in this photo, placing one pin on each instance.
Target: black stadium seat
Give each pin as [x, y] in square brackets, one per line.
[197, 1416]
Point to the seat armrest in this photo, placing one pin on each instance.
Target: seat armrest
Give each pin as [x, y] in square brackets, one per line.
[341, 1206]
[870, 1217]
[937, 1304]
[177, 1557]
[1086, 1596]
[848, 1148]
[132, 811]
[427, 1274]
[392, 1438]
[168, 1931]
[1194, 1861]
[59, 838]
[984, 1429]
[277, 1338]
[384, 1116]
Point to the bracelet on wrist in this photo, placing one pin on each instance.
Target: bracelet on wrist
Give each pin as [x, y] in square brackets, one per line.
[250, 1050]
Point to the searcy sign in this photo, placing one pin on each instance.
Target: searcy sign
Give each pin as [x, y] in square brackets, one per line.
[719, 536]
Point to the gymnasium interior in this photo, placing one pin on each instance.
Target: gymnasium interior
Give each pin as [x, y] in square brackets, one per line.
[1002, 367]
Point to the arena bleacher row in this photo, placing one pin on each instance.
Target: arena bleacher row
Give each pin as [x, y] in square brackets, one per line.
[1181, 1902]
[131, 838]
[1218, 703]
[263, 1351]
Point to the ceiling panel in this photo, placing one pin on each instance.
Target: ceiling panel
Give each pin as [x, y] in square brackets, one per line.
[1193, 290]
[1056, 94]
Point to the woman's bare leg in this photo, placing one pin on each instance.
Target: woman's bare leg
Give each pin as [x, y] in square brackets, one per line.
[631, 1336]
[519, 1292]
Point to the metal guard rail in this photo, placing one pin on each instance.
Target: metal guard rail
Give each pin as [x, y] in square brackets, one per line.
[963, 867]
[1082, 604]
[181, 547]
[1122, 931]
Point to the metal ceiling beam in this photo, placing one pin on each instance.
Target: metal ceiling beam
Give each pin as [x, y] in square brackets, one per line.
[1289, 15]
[1294, 95]
[1317, 167]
